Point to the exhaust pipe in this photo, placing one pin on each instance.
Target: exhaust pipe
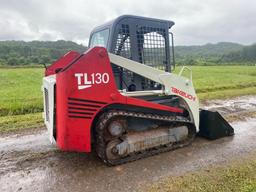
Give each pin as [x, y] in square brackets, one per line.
[213, 126]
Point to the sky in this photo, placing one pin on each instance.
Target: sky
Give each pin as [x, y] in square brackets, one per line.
[196, 22]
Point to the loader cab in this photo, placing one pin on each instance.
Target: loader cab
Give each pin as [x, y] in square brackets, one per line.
[141, 39]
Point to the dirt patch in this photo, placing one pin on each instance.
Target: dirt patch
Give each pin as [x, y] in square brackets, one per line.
[240, 116]
[234, 105]
[27, 131]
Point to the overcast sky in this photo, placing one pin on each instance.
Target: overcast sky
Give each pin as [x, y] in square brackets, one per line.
[196, 22]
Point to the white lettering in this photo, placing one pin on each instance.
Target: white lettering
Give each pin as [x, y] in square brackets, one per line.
[86, 81]
[105, 78]
[97, 78]
[79, 77]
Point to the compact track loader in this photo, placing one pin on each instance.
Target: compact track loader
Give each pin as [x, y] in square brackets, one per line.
[120, 97]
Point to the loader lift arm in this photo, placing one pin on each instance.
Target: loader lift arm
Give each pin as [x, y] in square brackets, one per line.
[170, 81]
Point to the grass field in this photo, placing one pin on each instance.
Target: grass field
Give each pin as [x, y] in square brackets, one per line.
[224, 81]
[14, 123]
[239, 175]
[21, 88]
[20, 91]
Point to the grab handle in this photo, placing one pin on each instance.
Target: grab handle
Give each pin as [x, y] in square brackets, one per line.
[186, 68]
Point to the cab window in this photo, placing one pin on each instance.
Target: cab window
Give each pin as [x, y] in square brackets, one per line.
[100, 38]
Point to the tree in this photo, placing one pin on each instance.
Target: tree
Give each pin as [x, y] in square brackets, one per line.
[44, 59]
[12, 61]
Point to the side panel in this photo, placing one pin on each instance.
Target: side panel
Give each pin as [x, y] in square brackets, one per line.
[61, 63]
[81, 91]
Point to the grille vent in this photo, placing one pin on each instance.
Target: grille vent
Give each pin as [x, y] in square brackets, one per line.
[82, 108]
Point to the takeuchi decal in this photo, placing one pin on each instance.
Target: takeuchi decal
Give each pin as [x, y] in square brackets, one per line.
[183, 94]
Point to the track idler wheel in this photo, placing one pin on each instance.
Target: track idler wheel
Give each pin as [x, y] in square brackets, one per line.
[111, 150]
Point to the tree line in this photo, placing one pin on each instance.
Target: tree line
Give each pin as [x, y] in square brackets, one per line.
[35, 52]
[13, 53]
[224, 53]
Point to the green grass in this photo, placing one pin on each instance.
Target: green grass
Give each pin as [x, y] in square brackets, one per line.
[15, 123]
[20, 88]
[208, 79]
[212, 82]
[238, 176]
[20, 91]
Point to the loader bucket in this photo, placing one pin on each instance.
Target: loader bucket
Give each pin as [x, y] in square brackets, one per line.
[213, 125]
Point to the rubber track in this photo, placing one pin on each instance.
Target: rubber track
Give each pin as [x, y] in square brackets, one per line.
[105, 117]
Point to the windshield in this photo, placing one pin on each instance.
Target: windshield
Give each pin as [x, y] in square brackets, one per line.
[100, 38]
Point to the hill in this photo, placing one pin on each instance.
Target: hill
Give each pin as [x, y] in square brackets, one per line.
[205, 54]
[247, 54]
[208, 50]
[35, 52]
[13, 53]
